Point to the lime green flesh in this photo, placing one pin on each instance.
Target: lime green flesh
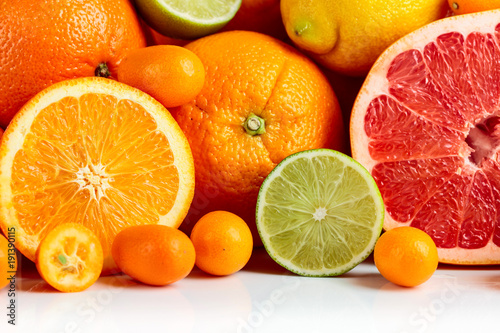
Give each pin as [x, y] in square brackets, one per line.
[187, 19]
[319, 213]
[196, 10]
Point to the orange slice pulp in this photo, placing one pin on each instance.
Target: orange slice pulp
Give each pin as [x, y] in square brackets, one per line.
[70, 258]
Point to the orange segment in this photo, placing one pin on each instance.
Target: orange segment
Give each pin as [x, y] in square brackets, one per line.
[95, 152]
[70, 258]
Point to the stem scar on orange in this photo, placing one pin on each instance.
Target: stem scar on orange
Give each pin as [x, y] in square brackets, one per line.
[171, 74]
[223, 243]
[70, 258]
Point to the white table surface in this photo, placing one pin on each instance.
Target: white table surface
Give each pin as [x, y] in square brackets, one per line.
[263, 297]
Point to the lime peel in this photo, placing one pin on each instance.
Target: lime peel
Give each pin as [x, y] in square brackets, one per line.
[319, 213]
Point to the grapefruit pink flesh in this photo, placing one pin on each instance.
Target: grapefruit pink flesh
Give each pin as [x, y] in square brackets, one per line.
[432, 136]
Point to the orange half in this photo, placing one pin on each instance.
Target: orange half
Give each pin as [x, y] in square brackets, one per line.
[95, 152]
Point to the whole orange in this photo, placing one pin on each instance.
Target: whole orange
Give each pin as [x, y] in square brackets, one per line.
[47, 41]
[172, 74]
[223, 243]
[262, 101]
[154, 254]
[406, 256]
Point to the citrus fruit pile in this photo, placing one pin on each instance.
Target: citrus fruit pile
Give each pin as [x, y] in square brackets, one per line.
[121, 155]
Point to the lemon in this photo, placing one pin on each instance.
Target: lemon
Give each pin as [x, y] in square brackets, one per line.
[347, 36]
[187, 19]
[319, 213]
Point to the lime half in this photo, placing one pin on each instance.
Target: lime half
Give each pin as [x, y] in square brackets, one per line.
[319, 213]
[187, 19]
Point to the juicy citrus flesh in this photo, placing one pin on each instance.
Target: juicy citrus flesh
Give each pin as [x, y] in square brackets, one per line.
[208, 10]
[319, 213]
[406, 256]
[95, 152]
[70, 258]
[426, 125]
[187, 19]
[223, 243]
[154, 254]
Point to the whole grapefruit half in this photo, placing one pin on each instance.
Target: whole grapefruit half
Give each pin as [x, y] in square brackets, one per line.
[426, 124]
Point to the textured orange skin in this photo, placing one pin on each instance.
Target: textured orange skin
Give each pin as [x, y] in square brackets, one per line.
[171, 74]
[249, 72]
[48, 41]
[154, 254]
[4, 262]
[406, 256]
[223, 243]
